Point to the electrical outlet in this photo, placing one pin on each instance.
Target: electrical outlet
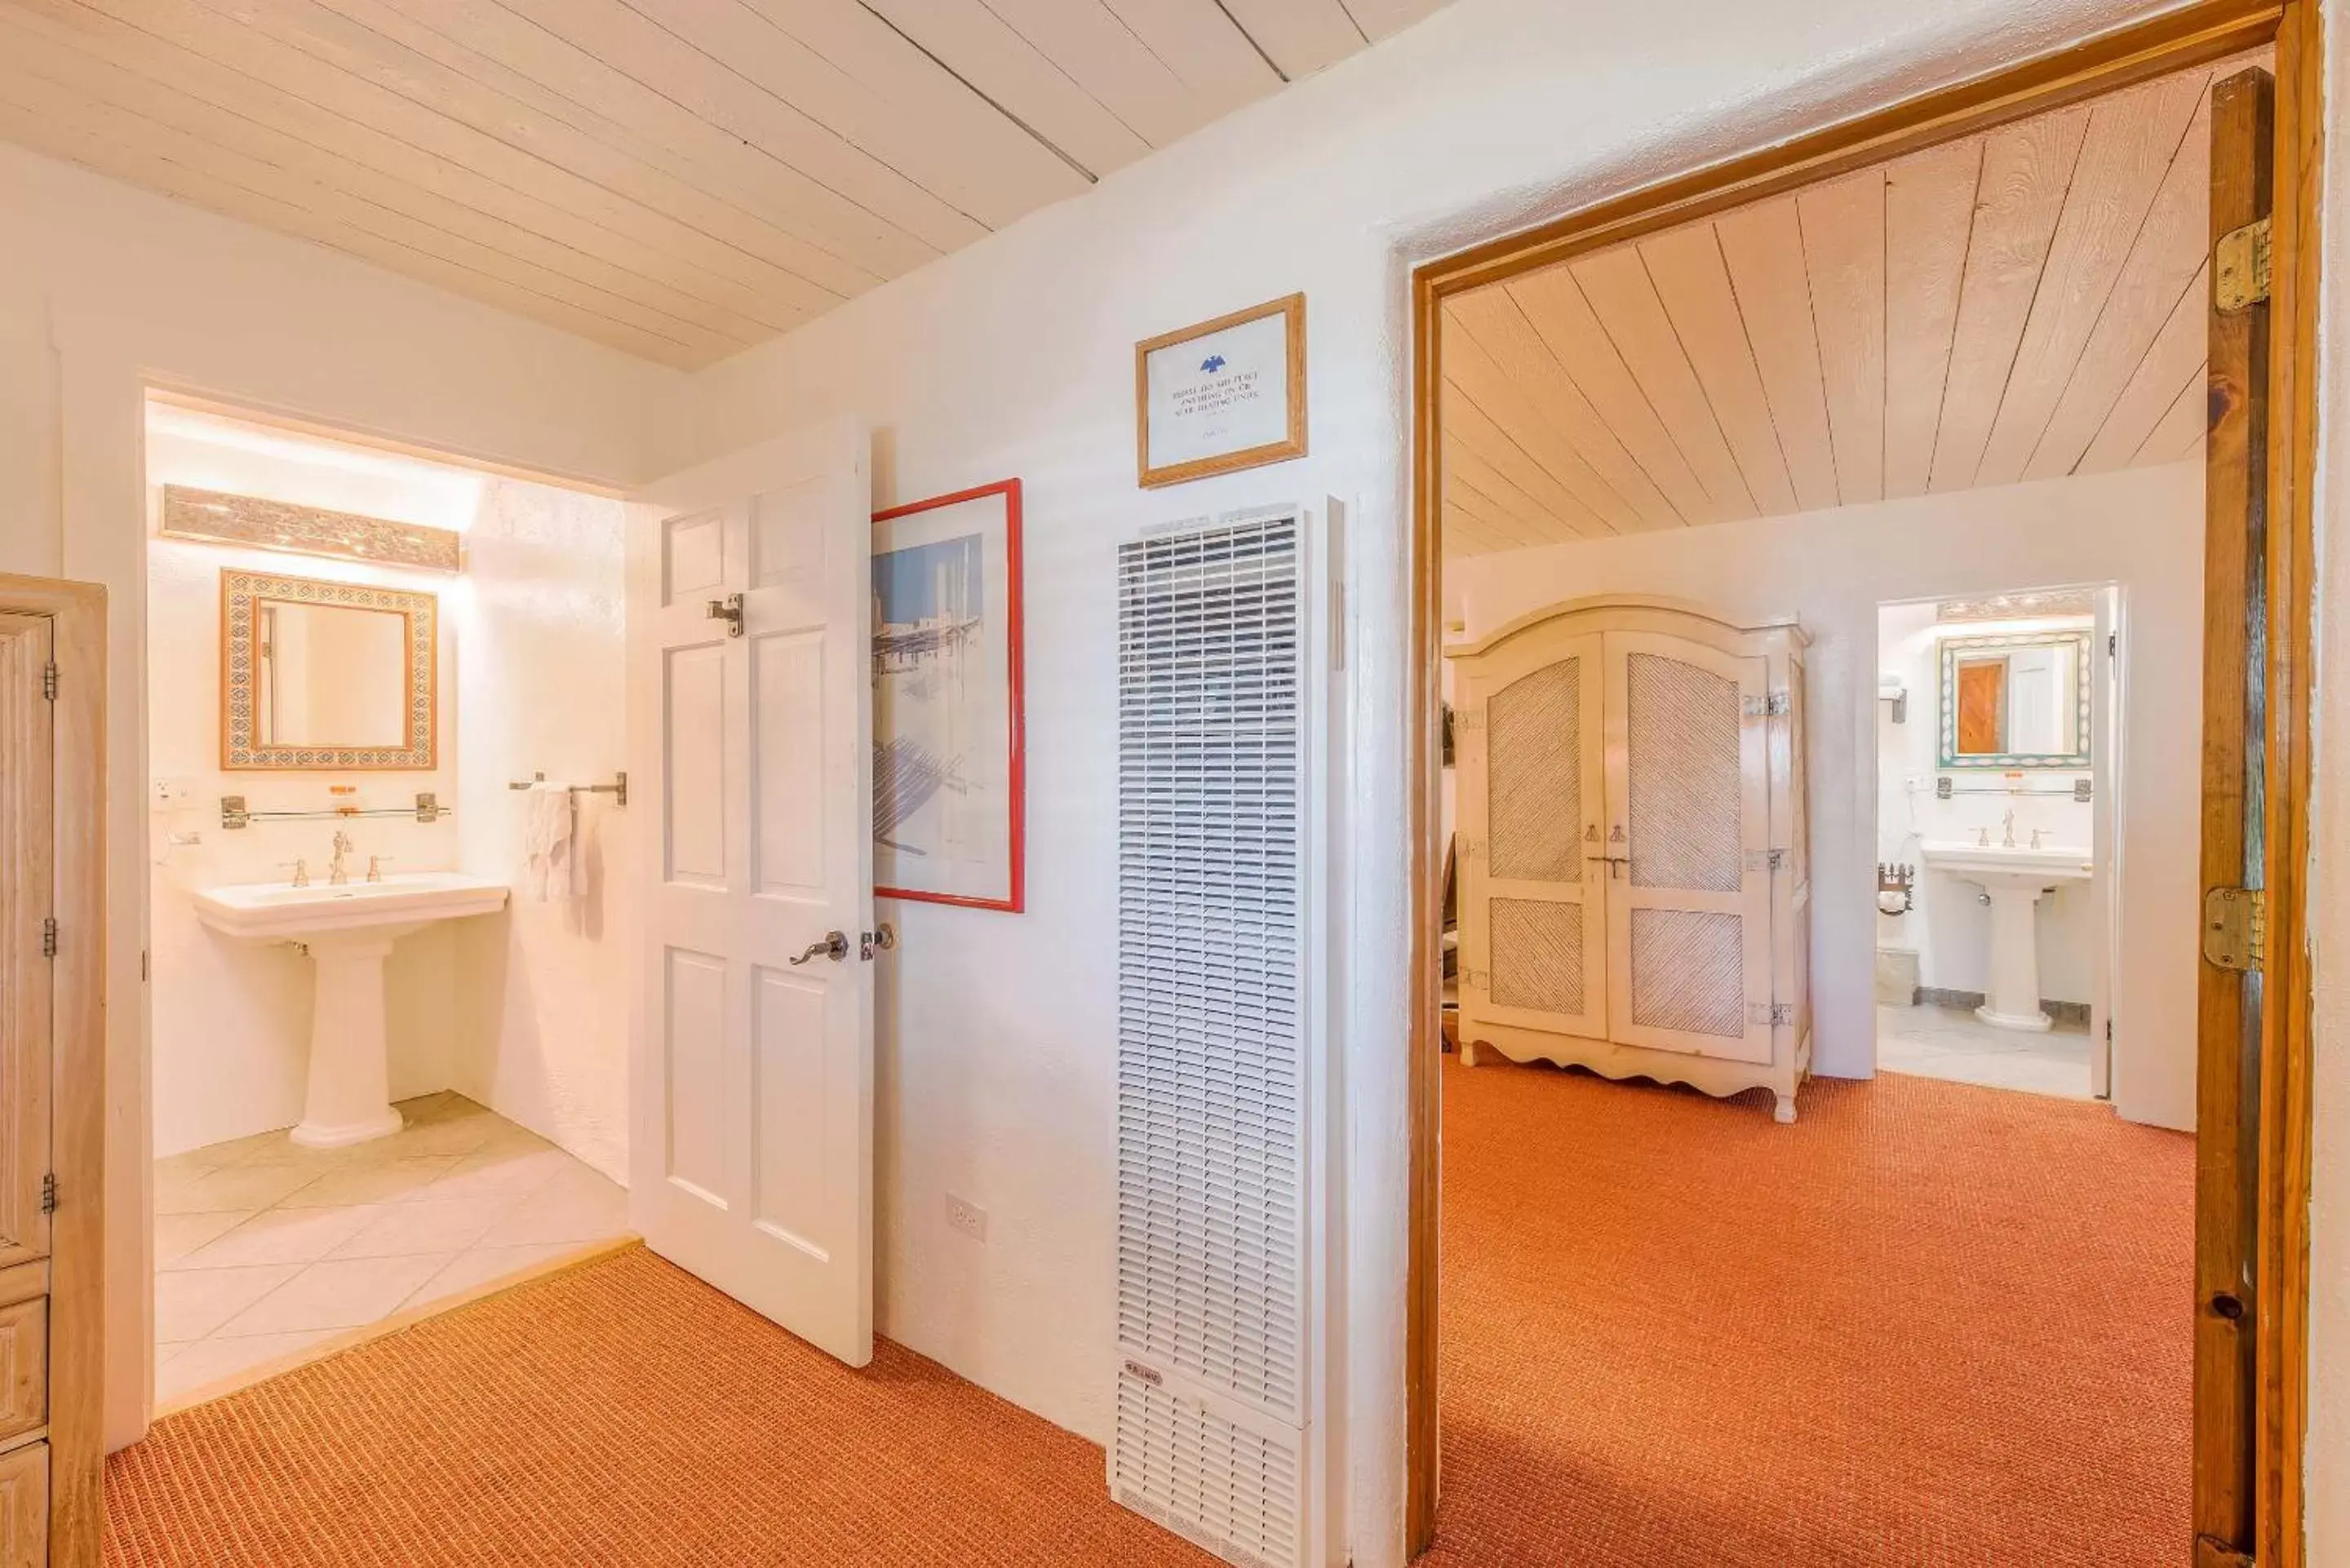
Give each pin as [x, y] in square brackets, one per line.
[967, 1216]
[174, 791]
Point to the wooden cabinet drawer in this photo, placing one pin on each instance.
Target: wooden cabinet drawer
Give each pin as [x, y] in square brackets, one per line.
[24, 1367]
[25, 1507]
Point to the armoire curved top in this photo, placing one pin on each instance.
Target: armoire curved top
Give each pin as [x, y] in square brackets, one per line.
[1664, 605]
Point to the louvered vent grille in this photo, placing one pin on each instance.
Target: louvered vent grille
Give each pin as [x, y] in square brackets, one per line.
[1210, 1263]
[1233, 1490]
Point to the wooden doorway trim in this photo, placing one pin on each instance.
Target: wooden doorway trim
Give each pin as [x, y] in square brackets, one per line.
[2197, 34]
[77, 1324]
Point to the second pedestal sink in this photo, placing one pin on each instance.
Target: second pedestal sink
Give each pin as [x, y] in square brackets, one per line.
[348, 931]
[2013, 879]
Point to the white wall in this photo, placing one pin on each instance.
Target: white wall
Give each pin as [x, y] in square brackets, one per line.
[544, 987]
[104, 290]
[1831, 570]
[1949, 928]
[1015, 357]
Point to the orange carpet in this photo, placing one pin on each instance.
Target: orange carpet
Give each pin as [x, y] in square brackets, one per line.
[622, 1414]
[1929, 1325]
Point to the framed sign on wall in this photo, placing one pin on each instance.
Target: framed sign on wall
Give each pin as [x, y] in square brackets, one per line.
[1225, 394]
[949, 780]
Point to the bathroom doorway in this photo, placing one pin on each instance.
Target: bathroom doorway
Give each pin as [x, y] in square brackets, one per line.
[388, 872]
[1999, 772]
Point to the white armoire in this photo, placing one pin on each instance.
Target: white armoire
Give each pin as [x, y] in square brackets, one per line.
[1635, 887]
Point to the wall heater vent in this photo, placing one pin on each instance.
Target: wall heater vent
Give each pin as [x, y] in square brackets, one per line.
[1213, 1390]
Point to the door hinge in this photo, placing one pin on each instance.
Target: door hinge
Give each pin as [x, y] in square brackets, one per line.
[49, 681]
[1765, 859]
[2113, 645]
[49, 1193]
[2236, 928]
[49, 936]
[1775, 705]
[2240, 267]
[1774, 1013]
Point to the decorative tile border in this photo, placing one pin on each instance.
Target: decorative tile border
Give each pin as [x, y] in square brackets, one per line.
[218, 517]
[241, 593]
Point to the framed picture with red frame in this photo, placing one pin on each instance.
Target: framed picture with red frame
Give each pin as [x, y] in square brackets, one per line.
[949, 780]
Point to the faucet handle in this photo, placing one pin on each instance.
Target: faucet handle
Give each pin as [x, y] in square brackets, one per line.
[375, 866]
[301, 871]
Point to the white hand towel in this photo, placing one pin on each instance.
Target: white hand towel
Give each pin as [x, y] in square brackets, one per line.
[546, 844]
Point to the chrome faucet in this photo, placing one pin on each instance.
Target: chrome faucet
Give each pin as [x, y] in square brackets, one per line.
[2008, 841]
[337, 876]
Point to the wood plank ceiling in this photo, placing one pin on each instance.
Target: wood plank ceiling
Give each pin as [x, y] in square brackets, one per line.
[680, 179]
[2021, 304]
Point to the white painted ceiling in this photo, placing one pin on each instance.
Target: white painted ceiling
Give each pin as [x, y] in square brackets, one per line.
[2021, 305]
[680, 179]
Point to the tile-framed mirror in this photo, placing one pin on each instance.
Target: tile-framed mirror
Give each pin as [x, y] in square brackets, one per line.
[326, 677]
[2017, 701]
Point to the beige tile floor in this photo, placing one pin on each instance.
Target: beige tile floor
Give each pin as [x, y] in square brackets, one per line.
[1952, 1042]
[265, 1249]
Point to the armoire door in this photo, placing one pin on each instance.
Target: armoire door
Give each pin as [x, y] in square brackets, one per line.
[1535, 917]
[1688, 796]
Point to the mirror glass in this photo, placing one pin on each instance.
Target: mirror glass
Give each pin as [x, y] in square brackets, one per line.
[2017, 701]
[331, 675]
[326, 676]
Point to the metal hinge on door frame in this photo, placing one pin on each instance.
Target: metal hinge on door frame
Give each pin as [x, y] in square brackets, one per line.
[49, 681]
[2236, 928]
[1777, 1015]
[1765, 859]
[49, 936]
[2240, 267]
[49, 1193]
[1774, 705]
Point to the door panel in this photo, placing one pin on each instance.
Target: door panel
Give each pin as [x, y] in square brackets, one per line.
[754, 1072]
[1688, 770]
[25, 1507]
[1533, 884]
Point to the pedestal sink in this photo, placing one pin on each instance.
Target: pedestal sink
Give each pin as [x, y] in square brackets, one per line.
[347, 931]
[2014, 879]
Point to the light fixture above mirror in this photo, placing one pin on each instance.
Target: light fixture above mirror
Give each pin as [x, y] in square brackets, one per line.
[219, 517]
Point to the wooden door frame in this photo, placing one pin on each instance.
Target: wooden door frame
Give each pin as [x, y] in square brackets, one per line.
[2198, 34]
[77, 1356]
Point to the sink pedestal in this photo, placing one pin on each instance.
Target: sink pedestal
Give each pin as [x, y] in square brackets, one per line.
[2014, 999]
[350, 1097]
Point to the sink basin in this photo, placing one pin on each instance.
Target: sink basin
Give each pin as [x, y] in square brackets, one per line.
[279, 911]
[347, 931]
[2045, 865]
[2013, 880]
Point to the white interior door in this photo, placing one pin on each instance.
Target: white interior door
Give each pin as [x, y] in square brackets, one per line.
[1688, 804]
[751, 1159]
[1534, 868]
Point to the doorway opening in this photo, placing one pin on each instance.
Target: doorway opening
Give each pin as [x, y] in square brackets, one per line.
[388, 1047]
[1766, 352]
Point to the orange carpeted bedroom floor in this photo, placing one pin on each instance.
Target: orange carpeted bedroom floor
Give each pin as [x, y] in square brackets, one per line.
[1928, 1326]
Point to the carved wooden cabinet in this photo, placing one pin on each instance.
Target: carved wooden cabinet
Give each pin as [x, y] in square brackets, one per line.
[1635, 883]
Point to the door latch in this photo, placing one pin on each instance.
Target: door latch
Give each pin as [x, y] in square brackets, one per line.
[834, 946]
[728, 609]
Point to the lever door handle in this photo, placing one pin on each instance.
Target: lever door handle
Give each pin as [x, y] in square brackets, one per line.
[834, 946]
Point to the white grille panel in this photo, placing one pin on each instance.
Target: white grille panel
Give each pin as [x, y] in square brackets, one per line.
[1533, 773]
[1212, 1091]
[1688, 972]
[1536, 955]
[1681, 727]
[1233, 1490]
